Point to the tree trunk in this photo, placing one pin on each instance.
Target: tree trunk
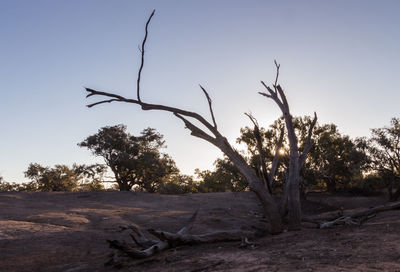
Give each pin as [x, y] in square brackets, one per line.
[270, 208]
[293, 194]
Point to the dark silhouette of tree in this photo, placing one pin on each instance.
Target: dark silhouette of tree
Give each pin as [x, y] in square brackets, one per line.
[225, 178]
[136, 161]
[265, 151]
[178, 184]
[384, 148]
[334, 160]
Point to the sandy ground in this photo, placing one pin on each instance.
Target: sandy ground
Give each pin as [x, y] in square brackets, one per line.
[67, 232]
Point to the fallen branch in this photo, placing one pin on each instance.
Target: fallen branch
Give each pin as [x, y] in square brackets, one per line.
[356, 217]
[144, 247]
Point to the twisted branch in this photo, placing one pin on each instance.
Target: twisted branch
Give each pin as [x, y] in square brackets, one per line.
[142, 60]
[210, 105]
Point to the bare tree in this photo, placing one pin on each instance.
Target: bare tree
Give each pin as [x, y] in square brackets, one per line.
[291, 196]
[290, 201]
[216, 138]
[263, 193]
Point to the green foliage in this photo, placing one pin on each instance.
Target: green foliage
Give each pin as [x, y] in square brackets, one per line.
[384, 149]
[335, 162]
[7, 186]
[17, 187]
[334, 159]
[178, 184]
[225, 178]
[136, 161]
[64, 178]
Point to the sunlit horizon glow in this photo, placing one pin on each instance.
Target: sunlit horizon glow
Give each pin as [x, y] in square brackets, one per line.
[338, 58]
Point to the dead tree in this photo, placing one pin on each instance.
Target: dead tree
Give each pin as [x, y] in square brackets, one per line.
[144, 247]
[291, 196]
[297, 159]
[270, 208]
[268, 178]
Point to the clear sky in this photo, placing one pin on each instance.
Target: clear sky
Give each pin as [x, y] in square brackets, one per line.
[338, 58]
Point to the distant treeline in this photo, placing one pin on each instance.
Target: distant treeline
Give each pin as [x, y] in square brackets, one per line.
[335, 163]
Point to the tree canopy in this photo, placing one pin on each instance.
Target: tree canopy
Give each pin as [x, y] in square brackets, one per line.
[384, 149]
[136, 161]
[64, 178]
[335, 160]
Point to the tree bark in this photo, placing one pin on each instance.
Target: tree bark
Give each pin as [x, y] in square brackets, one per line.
[270, 207]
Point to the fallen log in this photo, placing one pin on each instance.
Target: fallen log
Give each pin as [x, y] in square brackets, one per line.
[144, 247]
[356, 217]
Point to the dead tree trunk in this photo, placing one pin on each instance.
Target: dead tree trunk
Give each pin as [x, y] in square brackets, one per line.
[358, 217]
[144, 247]
[296, 158]
[270, 208]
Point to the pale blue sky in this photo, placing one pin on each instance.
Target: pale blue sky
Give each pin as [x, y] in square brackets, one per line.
[339, 58]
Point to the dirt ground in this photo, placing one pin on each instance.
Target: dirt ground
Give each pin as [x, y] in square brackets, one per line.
[68, 232]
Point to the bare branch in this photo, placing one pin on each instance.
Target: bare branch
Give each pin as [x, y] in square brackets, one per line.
[102, 102]
[265, 94]
[259, 141]
[273, 95]
[283, 97]
[142, 60]
[275, 160]
[94, 92]
[268, 88]
[212, 237]
[357, 217]
[210, 105]
[277, 75]
[195, 131]
[308, 145]
[252, 119]
[146, 106]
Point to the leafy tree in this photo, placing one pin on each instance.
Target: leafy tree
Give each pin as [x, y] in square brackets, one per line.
[225, 178]
[178, 184]
[6, 186]
[334, 160]
[384, 148]
[61, 177]
[136, 161]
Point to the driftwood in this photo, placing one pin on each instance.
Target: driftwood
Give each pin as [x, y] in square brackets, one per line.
[144, 247]
[351, 218]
